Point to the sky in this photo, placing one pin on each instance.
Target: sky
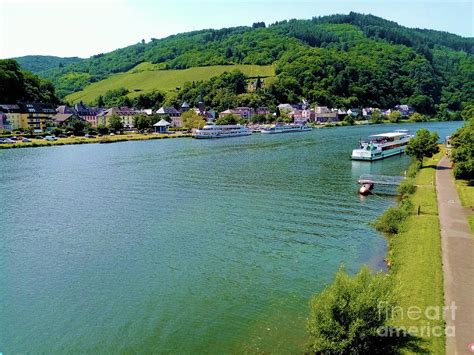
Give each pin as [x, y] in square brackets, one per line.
[83, 28]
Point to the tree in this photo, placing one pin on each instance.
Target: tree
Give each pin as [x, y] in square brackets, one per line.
[349, 120]
[227, 120]
[394, 116]
[417, 117]
[100, 101]
[115, 123]
[347, 317]
[425, 144]
[462, 153]
[142, 123]
[78, 126]
[258, 83]
[192, 120]
[467, 112]
[376, 117]
[102, 129]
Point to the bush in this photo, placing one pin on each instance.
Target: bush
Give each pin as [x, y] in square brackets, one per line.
[407, 187]
[392, 219]
[413, 169]
[347, 316]
[102, 129]
[462, 152]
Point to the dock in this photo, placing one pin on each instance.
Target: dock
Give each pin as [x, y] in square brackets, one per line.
[380, 179]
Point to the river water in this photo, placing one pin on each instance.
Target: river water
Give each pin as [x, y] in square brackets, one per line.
[182, 245]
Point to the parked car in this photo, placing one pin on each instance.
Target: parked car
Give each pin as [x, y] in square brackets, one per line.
[50, 138]
[62, 136]
[26, 140]
[89, 136]
[9, 140]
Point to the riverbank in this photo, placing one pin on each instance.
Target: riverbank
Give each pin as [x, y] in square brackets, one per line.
[416, 262]
[83, 140]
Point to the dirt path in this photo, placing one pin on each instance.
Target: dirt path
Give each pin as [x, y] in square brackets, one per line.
[458, 262]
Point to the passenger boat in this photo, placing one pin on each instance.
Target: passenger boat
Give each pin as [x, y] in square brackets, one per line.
[211, 130]
[380, 146]
[285, 128]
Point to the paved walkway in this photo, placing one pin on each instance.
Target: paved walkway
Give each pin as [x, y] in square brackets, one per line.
[458, 261]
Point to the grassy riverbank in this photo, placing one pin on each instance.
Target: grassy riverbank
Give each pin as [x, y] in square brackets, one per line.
[415, 256]
[466, 195]
[84, 140]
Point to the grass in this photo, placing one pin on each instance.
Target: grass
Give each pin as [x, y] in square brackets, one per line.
[83, 140]
[465, 190]
[147, 77]
[416, 261]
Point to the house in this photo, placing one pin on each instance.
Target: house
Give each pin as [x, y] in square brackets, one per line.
[4, 122]
[161, 126]
[242, 112]
[262, 111]
[126, 115]
[405, 110]
[331, 116]
[185, 107]
[303, 115]
[65, 119]
[169, 111]
[146, 111]
[89, 114]
[12, 112]
[37, 115]
[354, 112]
[341, 113]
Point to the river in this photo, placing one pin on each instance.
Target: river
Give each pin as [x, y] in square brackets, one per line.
[182, 245]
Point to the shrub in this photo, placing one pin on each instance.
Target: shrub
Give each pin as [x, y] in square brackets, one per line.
[407, 187]
[347, 316]
[392, 219]
[462, 153]
[413, 169]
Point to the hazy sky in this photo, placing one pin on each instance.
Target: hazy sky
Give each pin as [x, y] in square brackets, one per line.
[86, 27]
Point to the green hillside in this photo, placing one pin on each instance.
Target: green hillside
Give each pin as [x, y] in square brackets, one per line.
[40, 63]
[147, 77]
[351, 60]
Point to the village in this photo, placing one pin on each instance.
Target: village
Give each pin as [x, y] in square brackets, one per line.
[40, 118]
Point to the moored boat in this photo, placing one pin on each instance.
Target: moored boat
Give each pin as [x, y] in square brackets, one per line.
[380, 146]
[285, 128]
[211, 130]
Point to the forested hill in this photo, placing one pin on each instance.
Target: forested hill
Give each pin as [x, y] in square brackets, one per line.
[345, 60]
[40, 63]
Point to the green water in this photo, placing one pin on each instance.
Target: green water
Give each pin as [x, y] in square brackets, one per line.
[181, 245]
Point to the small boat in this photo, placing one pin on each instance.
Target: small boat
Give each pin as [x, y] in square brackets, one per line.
[380, 146]
[286, 128]
[212, 130]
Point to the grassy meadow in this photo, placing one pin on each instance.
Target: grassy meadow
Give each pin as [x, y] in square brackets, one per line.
[466, 195]
[147, 77]
[84, 140]
[415, 255]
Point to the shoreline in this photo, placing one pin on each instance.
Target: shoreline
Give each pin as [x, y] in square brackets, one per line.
[35, 143]
[414, 255]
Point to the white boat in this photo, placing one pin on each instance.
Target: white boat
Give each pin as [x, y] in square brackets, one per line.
[380, 146]
[211, 130]
[286, 128]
